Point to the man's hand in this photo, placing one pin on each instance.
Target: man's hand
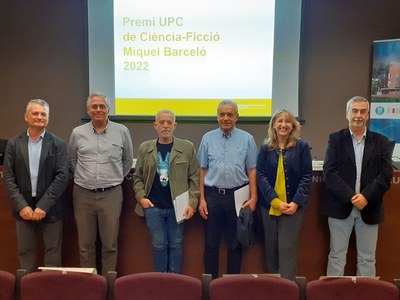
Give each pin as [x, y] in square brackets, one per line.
[26, 213]
[146, 203]
[252, 203]
[359, 201]
[38, 214]
[203, 209]
[189, 212]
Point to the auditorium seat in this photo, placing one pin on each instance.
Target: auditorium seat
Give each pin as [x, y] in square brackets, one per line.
[111, 277]
[160, 286]
[253, 287]
[205, 282]
[354, 288]
[301, 282]
[52, 285]
[7, 285]
[396, 281]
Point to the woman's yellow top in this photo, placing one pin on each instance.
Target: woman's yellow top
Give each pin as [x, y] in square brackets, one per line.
[280, 188]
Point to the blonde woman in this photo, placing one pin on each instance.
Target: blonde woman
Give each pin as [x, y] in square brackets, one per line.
[284, 172]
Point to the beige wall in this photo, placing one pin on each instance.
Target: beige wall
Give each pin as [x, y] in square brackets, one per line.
[43, 53]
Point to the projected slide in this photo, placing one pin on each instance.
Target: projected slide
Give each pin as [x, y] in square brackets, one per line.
[188, 55]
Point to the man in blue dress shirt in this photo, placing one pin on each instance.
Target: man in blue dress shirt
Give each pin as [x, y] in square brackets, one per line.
[227, 158]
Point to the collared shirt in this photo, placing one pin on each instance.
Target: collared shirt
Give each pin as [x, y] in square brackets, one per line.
[359, 153]
[34, 150]
[100, 160]
[227, 157]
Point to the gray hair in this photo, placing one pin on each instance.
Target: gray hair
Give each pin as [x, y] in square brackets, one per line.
[228, 102]
[97, 94]
[165, 111]
[354, 100]
[40, 102]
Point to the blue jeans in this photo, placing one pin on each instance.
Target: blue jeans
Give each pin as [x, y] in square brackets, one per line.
[166, 238]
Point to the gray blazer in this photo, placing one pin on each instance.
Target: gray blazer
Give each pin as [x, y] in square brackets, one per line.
[52, 177]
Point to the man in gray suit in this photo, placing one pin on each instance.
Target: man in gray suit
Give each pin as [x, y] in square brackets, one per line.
[36, 175]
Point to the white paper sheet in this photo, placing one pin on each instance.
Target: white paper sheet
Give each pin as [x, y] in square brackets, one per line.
[181, 202]
[241, 196]
[71, 270]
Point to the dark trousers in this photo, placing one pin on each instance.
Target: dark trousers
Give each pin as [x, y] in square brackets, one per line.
[222, 220]
[281, 242]
[51, 234]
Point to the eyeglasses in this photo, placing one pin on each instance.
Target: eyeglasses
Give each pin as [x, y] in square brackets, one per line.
[98, 106]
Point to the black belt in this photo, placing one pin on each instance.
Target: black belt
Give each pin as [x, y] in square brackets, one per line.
[217, 190]
[100, 190]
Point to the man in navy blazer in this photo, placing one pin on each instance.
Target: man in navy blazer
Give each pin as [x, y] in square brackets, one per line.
[36, 175]
[357, 173]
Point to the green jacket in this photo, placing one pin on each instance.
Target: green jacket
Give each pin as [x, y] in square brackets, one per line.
[183, 171]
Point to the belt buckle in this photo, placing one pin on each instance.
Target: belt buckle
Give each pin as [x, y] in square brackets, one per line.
[99, 190]
[221, 191]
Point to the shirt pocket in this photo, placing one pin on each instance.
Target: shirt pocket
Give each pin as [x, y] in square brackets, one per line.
[115, 152]
[181, 167]
[240, 155]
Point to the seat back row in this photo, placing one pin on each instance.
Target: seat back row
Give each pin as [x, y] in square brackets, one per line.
[52, 285]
